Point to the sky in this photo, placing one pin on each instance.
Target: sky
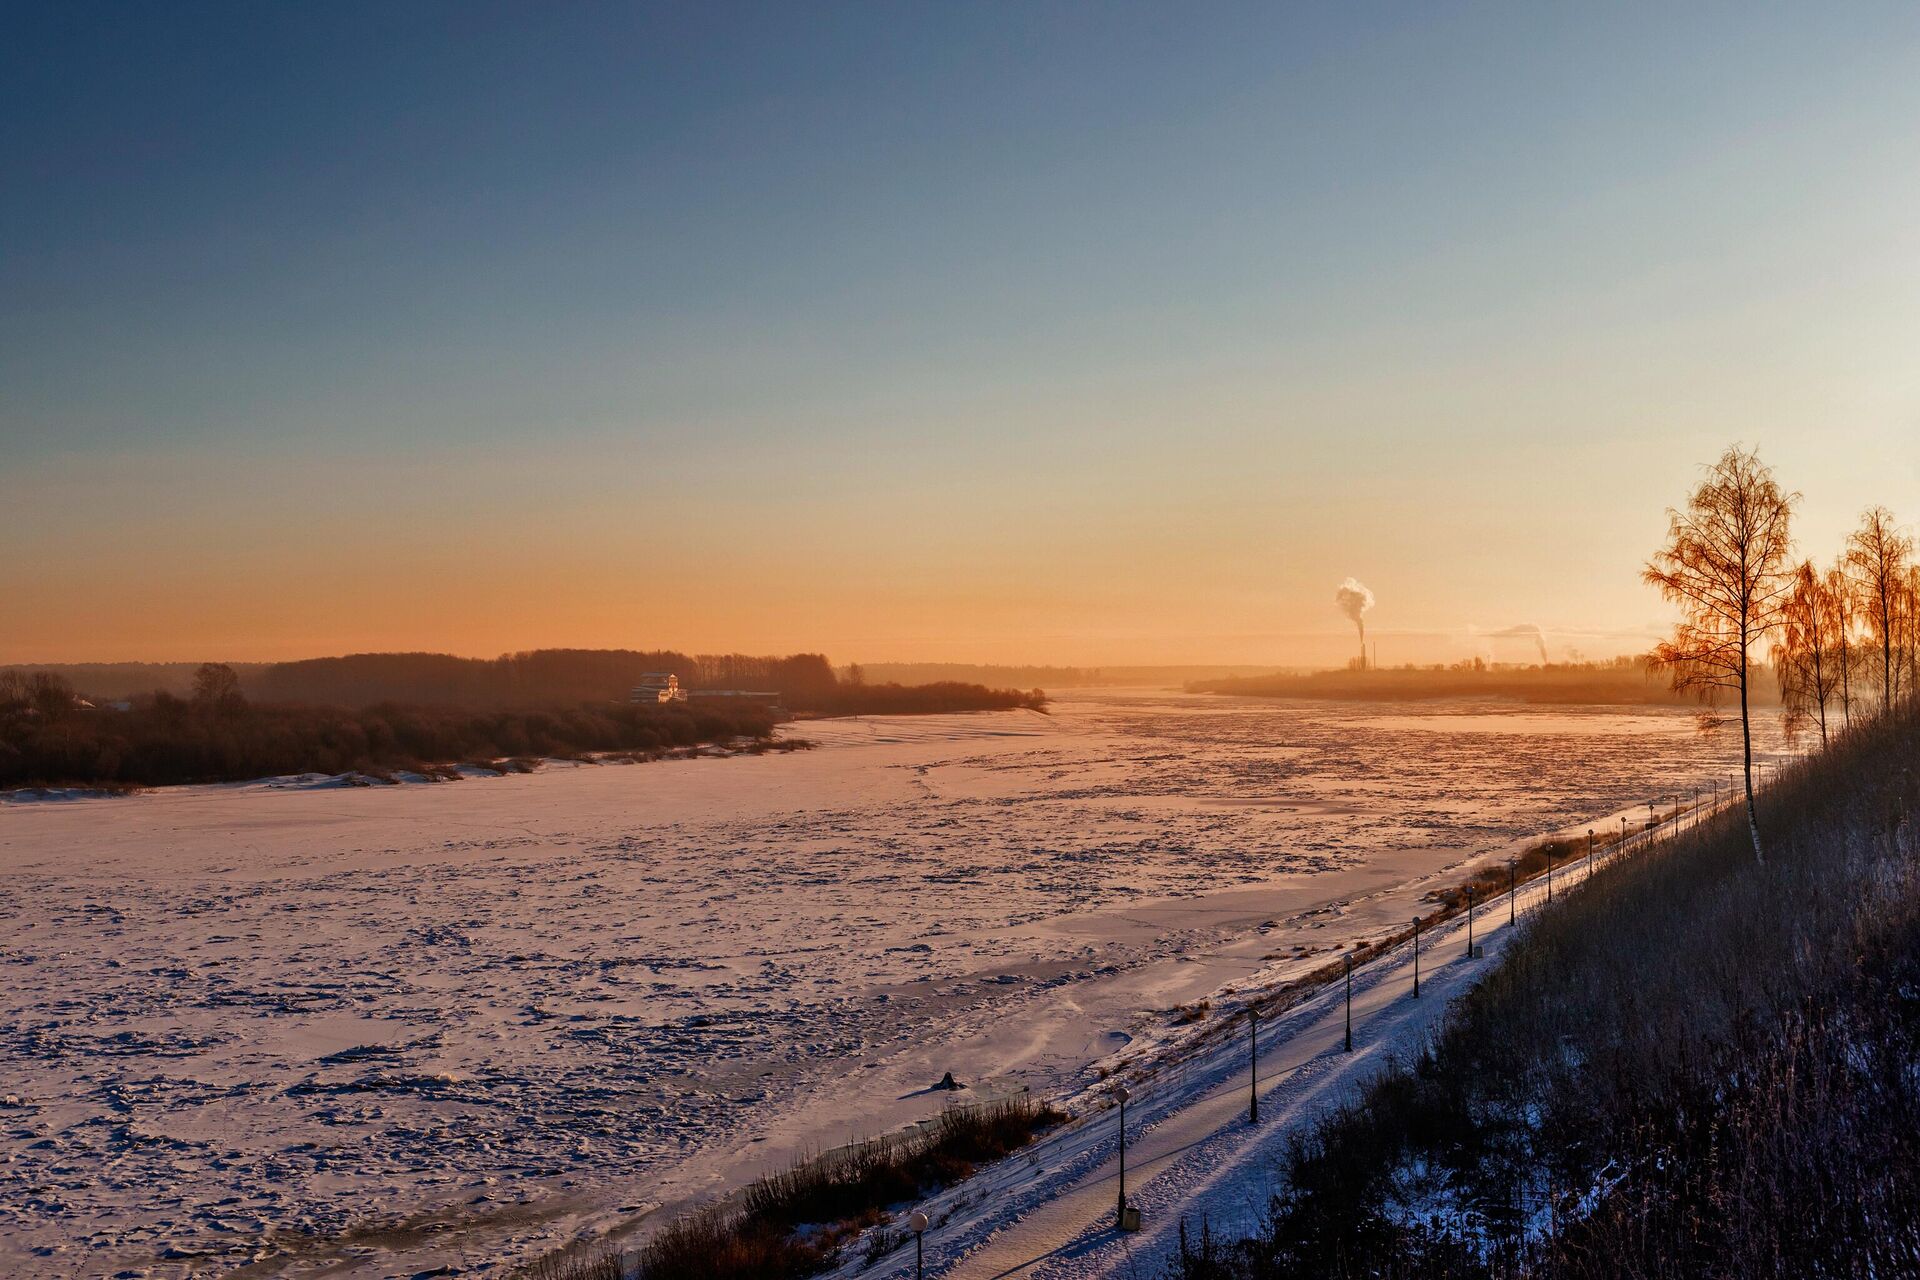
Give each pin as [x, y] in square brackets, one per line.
[1031, 333]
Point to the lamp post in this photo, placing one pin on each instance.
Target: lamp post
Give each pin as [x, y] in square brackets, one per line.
[1589, 851]
[1349, 959]
[1253, 1065]
[1512, 884]
[1120, 1212]
[1469, 922]
[1416, 957]
[1549, 873]
[917, 1223]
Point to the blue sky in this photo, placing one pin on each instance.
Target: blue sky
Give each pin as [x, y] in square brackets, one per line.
[1094, 333]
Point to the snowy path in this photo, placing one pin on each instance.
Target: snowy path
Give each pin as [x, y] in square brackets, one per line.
[1048, 1213]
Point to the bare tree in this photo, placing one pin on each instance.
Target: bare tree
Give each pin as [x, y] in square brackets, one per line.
[1806, 657]
[1878, 556]
[1910, 626]
[1839, 599]
[1726, 565]
[216, 688]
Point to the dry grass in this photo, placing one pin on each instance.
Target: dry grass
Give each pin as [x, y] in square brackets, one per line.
[794, 1224]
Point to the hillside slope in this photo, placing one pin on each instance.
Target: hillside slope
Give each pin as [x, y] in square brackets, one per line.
[1695, 1066]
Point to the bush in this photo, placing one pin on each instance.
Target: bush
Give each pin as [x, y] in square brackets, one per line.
[791, 1225]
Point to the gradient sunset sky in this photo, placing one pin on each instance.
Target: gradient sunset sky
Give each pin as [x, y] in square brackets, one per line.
[1070, 333]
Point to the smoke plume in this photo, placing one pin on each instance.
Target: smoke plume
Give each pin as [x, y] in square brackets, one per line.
[1526, 631]
[1354, 601]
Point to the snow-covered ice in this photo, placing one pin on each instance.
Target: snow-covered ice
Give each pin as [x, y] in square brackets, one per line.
[373, 1030]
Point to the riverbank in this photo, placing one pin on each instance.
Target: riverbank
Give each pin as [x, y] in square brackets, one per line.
[548, 1007]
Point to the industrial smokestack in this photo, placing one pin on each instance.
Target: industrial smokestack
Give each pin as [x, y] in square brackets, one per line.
[1354, 601]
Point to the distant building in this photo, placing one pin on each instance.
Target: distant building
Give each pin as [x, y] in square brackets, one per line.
[658, 686]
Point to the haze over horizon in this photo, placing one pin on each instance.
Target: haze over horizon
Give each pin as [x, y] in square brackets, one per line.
[1330, 649]
[1043, 335]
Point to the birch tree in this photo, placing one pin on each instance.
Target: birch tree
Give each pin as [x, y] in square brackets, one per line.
[1725, 564]
[1839, 597]
[1878, 555]
[1806, 656]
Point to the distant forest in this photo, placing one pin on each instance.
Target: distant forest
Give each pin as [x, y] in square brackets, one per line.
[374, 714]
[1624, 681]
[120, 681]
[541, 678]
[1049, 677]
[51, 737]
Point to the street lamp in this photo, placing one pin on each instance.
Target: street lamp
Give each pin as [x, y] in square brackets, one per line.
[1121, 1095]
[1253, 1065]
[1469, 922]
[1349, 959]
[1416, 957]
[1512, 882]
[917, 1223]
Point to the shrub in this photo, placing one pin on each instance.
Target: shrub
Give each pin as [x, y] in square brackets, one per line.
[792, 1224]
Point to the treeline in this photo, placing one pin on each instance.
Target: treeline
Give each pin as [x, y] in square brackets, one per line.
[804, 682]
[537, 678]
[923, 699]
[1003, 676]
[542, 679]
[1624, 682]
[48, 738]
[1848, 634]
[120, 681]
[1695, 1064]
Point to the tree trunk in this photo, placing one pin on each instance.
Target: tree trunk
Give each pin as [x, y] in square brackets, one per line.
[1886, 648]
[1846, 679]
[1821, 690]
[1746, 743]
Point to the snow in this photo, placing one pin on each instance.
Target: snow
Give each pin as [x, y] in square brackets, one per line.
[1193, 1155]
[377, 1030]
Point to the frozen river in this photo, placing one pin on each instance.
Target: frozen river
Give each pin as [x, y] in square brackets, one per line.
[365, 1031]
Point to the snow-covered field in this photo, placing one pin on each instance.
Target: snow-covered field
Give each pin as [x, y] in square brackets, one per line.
[372, 1031]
